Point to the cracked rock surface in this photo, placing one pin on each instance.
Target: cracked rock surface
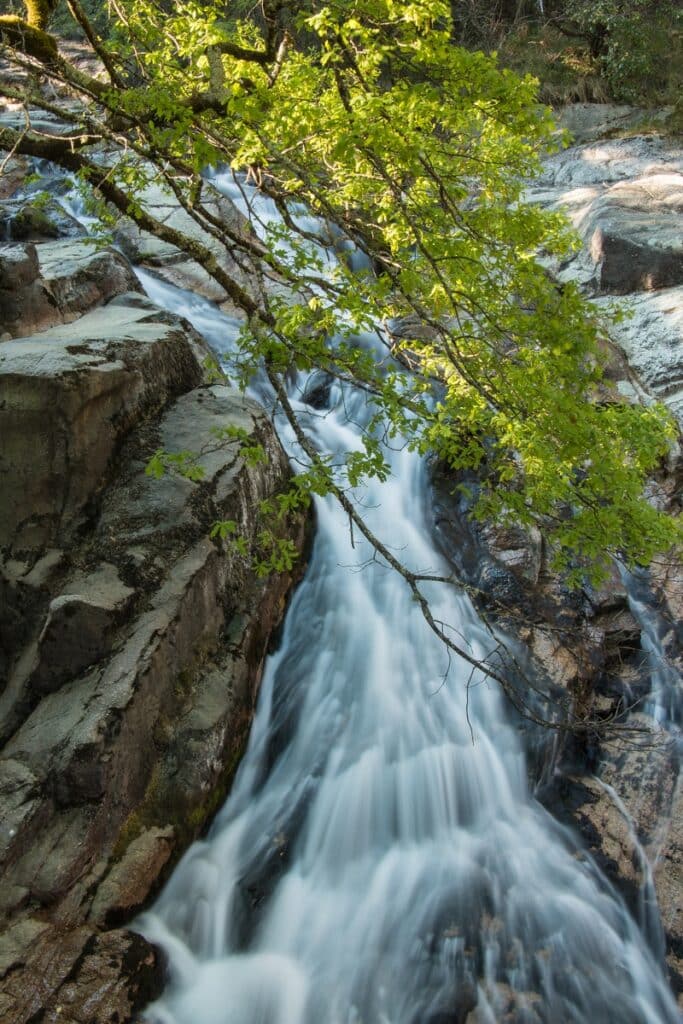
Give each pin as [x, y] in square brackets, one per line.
[131, 644]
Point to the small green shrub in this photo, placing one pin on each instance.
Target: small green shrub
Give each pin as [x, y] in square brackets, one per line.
[641, 52]
[628, 51]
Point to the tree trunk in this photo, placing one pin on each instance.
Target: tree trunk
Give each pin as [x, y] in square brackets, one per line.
[38, 12]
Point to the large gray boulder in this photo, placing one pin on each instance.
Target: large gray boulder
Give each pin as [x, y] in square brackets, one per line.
[56, 282]
[23, 296]
[67, 398]
[651, 338]
[625, 198]
[634, 233]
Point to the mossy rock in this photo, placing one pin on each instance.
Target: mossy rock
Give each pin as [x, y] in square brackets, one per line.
[33, 222]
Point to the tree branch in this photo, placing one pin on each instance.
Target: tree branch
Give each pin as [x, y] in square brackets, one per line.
[81, 17]
[34, 42]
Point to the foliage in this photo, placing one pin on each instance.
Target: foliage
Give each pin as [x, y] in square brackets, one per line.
[417, 151]
[625, 50]
[641, 40]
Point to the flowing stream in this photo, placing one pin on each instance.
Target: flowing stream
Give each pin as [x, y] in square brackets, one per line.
[380, 859]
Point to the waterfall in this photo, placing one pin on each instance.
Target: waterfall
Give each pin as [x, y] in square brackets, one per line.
[380, 859]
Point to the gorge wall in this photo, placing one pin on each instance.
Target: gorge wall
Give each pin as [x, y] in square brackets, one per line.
[131, 644]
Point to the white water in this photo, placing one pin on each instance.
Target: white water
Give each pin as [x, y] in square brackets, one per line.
[374, 864]
[665, 700]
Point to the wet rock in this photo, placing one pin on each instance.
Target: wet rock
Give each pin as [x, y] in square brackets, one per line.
[628, 812]
[668, 880]
[118, 975]
[501, 1002]
[47, 964]
[610, 839]
[125, 731]
[518, 549]
[79, 977]
[166, 259]
[317, 392]
[27, 221]
[127, 886]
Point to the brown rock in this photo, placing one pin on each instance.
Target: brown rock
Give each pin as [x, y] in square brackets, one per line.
[23, 296]
[128, 884]
[13, 174]
[667, 858]
[55, 282]
[610, 837]
[81, 977]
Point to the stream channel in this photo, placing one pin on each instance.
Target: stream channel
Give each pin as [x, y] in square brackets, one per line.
[381, 858]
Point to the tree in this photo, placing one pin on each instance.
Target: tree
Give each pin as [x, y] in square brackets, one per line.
[417, 151]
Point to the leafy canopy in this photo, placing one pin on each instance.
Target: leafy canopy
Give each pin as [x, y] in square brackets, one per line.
[418, 152]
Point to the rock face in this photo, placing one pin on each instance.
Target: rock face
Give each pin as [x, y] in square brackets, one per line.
[56, 282]
[625, 197]
[131, 644]
[615, 653]
[67, 397]
[611, 654]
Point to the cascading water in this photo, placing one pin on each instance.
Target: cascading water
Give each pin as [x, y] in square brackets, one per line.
[380, 858]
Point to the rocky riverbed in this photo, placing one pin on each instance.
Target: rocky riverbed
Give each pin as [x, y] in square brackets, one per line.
[131, 644]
